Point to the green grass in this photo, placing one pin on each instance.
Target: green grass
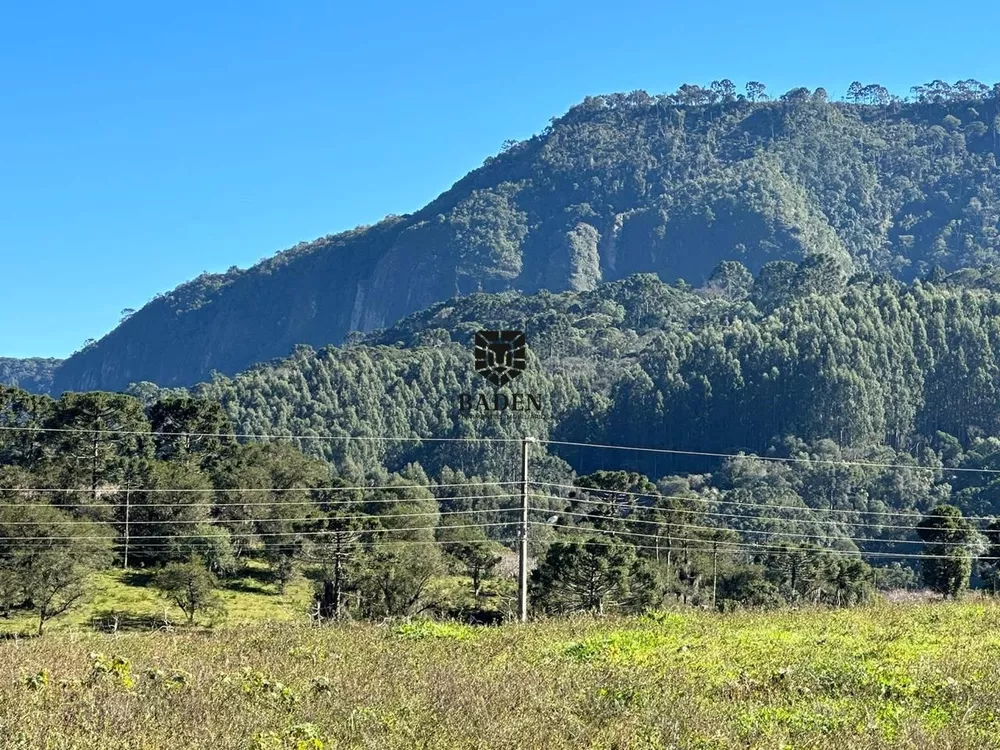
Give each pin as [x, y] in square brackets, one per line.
[125, 595]
[889, 676]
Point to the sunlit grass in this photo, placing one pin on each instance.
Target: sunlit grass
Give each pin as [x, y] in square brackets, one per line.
[125, 597]
[906, 676]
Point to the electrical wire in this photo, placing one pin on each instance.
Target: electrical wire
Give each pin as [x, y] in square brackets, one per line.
[708, 454]
[760, 546]
[748, 531]
[232, 536]
[273, 519]
[282, 504]
[545, 441]
[119, 490]
[722, 500]
[282, 546]
[257, 436]
[689, 511]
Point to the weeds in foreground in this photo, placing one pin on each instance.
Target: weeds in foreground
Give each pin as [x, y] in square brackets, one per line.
[913, 676]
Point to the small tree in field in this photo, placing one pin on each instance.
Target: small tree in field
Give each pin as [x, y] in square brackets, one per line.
[48, 575]
[947, 556]
[592, 576]
[191, 587]
[472, 552]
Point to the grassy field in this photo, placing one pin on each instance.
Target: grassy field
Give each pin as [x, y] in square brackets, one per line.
[126, 599]
[907, 675]
[119, 600]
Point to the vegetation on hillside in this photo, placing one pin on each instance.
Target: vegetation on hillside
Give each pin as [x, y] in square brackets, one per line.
[866, 390]
[869, 404]
[841, 374]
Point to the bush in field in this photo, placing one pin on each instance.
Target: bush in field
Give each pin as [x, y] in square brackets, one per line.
[895, 576]
[191, 587]
[298, 737]
[472, 553]
[115, 668]
[395, 580]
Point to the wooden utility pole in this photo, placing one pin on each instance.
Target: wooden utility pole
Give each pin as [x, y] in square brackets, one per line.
[338, 573]
[522, 561]
[670, 549]
[128, 509]
[715, 571]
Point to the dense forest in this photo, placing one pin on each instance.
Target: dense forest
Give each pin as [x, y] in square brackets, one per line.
[869, 385]
[96, 480]
[669, 184]
[798, 359]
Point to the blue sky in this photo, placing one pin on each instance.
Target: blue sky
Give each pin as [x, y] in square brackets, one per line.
[140, 146]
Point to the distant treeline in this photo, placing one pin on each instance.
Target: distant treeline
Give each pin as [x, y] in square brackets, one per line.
[725, 91]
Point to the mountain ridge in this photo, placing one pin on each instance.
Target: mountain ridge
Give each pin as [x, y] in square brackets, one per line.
[618, 185]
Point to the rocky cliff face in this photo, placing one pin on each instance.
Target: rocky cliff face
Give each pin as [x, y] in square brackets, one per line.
[618, 185]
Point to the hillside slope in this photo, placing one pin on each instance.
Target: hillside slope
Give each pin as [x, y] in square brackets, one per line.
[875, 366]
[618, 185]
[858, 391]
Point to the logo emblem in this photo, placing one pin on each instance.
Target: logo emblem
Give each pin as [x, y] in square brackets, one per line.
[500, 355]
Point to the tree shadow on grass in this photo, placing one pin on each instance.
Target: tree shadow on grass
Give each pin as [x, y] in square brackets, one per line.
[116, 621]
[314, 573]
[247, 579]
[260, 575]
[138, 577]
[248, 586]
[250, 579]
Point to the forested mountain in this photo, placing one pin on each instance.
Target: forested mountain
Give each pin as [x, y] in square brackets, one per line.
[620, 184]
[800, 362]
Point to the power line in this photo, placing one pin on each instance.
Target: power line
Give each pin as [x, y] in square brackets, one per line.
[719, 499]
[222, 521]
[689, 511]
[748, 548]
[314, 502]
[293, 546]
[756, 545]
[258, 436]
[708, 454]
[746, 531]
[707, 544]
[239, 536]
[473, 439]
[137, 490]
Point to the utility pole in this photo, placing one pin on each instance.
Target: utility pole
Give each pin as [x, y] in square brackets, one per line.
[128, 508]
[715, 571]
[670, 548]
[522, 562]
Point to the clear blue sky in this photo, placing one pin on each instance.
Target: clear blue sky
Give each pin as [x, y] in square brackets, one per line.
[140, 146]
